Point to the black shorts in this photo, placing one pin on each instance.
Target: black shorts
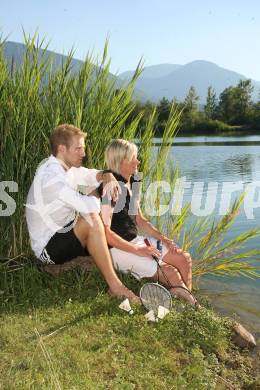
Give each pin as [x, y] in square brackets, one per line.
[63, 247]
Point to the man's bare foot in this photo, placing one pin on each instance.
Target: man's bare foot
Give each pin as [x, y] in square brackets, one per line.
[124, 292]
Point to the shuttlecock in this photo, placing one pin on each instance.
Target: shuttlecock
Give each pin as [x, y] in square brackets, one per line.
[150, 316]
[125, 305]
[162, 311]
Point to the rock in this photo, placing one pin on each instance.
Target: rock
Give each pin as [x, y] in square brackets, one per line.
[241, 337]
[85, 263]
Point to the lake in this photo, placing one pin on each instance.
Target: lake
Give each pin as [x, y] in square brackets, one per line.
[230, 162]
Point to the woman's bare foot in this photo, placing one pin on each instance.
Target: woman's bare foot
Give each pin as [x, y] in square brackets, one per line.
[124, 292]
[184, 293]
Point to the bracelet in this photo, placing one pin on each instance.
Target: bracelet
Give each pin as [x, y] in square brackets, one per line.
[105, 171]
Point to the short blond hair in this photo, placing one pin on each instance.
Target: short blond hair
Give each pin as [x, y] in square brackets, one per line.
[118, 150]
[62, 135]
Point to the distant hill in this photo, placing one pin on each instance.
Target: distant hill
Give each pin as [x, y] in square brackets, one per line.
[15, 51]
[157, 81]
[171, 81]
[152, 72]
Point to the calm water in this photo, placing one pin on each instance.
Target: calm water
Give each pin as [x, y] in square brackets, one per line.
[224, 161]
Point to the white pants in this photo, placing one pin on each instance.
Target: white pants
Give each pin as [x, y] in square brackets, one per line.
[139, 266]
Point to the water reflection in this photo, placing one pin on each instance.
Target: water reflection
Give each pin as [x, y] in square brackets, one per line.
[240, 165]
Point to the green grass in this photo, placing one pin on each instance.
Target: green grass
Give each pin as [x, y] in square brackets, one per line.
[67, 333]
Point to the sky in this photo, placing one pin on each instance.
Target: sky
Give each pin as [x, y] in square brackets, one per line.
[225, 32]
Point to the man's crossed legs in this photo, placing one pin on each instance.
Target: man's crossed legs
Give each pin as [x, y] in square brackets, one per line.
[92, 237]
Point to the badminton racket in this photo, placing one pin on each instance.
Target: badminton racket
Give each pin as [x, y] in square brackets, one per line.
[153, 295]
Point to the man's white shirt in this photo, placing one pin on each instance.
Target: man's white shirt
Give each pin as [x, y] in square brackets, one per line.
[53, 200]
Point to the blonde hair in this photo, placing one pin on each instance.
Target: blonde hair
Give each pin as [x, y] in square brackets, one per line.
[118, 150]
[62, 135]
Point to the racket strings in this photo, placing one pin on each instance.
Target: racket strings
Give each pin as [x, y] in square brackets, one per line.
[154, 295]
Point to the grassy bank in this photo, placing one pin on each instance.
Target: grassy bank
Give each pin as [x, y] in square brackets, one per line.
[66, 333]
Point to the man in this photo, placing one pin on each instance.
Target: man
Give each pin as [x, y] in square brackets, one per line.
[63, 223]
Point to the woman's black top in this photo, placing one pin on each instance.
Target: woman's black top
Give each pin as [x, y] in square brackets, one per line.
[125, 209]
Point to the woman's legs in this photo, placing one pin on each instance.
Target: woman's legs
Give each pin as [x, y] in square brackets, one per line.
[175, 279]
[183, 262]
[145, 267]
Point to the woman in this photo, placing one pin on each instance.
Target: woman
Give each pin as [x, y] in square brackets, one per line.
[124, 219]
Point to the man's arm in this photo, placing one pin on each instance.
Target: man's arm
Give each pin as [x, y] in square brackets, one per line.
[111, 187]
[83, 204]
[56, 187]
[92, 178]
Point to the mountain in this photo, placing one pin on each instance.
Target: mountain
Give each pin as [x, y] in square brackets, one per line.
[171, 81]
[14, 51]
[152, 72]
[157, 81]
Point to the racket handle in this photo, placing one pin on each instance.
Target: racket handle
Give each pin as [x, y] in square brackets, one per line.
[159, 245]
[147, 242]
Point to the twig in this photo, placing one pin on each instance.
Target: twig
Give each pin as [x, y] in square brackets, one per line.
[48, 360]
[54, 332]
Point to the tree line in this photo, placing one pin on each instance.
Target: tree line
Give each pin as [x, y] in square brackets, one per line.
[234, 110]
